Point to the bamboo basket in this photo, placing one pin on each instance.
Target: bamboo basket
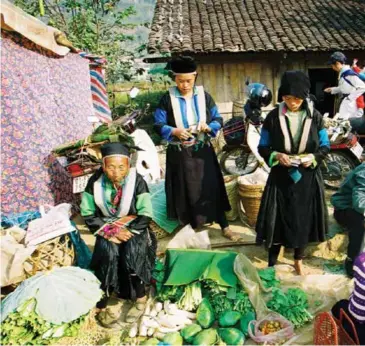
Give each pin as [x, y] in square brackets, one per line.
[157, 230]
[230, 182]
[57, 252]
[250, 197]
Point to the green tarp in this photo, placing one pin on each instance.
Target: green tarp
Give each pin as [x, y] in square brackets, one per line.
[184, 266]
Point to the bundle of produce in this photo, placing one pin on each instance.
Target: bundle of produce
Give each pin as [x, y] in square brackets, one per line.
[158, 275]
[106, 132]
[273, 329]
[268, 277]
[292, 304]
[49, 306]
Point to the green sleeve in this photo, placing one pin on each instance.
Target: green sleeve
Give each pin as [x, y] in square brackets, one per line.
[272, 160]
[144, 205]
[87, 204]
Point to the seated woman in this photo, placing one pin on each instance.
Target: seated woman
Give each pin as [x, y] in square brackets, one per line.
[355, 306]
[123, 257]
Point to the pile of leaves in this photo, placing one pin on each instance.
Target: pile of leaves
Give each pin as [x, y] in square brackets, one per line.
[223, 299]
[292, 305]
[25, 327]
[268, 277]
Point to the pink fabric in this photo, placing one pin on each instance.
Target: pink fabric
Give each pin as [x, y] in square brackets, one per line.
[46, 100]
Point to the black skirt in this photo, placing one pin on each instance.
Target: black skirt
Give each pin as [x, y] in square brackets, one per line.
[113, 263]
[292, 214]
[195, 190]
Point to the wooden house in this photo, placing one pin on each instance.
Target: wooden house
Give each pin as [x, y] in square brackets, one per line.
[233, 40]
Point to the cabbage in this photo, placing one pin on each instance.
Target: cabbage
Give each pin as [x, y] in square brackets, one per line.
[190, 331]
[229, 318]
[206, 337]
[231, 336]
[245, 320]
[150, 342]
[173, 339]
[205, 314]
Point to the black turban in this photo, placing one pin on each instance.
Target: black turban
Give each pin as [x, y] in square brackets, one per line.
[182, 64]
[294, 83]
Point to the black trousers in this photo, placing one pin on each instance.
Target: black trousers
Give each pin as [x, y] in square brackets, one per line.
[353, 222]
[275, 250]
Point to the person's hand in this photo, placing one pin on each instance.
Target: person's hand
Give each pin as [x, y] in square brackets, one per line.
[204, 128]
[328, 90]
[124, 235]
[283, 159]
[308, 161]
[182, 134]
[115, 240]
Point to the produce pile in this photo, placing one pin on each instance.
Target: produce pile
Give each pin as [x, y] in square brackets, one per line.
[292, 305]
[268, 277]
[25, 327]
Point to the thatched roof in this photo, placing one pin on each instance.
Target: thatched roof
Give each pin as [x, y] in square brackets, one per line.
[206, 26]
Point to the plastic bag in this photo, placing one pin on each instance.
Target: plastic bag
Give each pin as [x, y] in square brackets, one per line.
[278, 337]
[186, 238]
[259, 177]
[13, 255]
[52, 224]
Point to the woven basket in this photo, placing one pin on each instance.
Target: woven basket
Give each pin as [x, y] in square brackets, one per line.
[328, 330]
[230, 182]
[250, 196]
[157, 230]
[57, 252]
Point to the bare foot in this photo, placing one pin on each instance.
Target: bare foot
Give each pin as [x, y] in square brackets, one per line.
[298, 265]
[227, 233]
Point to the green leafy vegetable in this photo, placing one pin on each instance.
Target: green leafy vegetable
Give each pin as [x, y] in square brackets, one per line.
[191, 298]
[231, 336]
[172, 293]
[229, 318]
[189, 332]
[245, 320]
[206, 337]
[268, 277]
[293, 305]
[174, 339]
[205, 314]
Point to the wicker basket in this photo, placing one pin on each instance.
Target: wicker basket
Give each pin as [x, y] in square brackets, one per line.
[57, 252]
[250, 196]
[230, 182]
[157, 230]
[328, 330]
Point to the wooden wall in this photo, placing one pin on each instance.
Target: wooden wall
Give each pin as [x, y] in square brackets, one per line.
[224, 76]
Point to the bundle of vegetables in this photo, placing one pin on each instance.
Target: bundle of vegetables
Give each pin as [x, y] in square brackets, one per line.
[225, 299]
[268, 277]
[25, 327]
[170, 293]
[292, 305]
[191, 297]
[105, 132]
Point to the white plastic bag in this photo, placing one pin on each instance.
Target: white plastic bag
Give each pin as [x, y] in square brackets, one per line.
[186, 238]
[13, 255]
[52, 224]
[259, 177]
[278, 337]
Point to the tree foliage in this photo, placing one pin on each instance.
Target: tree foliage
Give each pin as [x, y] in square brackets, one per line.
[99, 27]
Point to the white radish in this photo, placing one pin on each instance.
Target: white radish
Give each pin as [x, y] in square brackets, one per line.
[133, 331]
[187, 314]
[158, 306]
[166, 321]
[147, 310]
[153, 312]
[151, 323]
[142, 330]
[161, 314]
[150, 331]
[166, 330]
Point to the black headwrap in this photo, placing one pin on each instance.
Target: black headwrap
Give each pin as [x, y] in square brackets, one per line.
[294, 83]
[114, 148]
[182, 64]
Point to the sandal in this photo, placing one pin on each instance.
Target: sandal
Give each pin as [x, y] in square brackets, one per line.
[135, 312]
[227, 233]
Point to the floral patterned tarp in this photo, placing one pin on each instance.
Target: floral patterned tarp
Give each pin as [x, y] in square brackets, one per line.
[46, 100]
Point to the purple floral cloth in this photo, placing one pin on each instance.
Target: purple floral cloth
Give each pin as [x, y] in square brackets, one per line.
[46, 100]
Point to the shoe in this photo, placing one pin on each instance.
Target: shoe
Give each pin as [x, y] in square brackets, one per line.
[135, 312]
[107, 318]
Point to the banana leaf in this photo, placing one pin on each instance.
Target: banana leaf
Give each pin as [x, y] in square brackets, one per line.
[158, 197]
[184, 266]
[102, 133]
